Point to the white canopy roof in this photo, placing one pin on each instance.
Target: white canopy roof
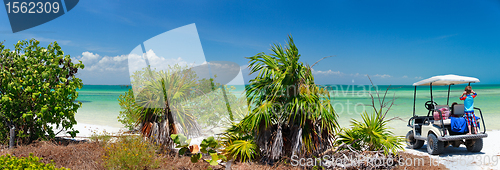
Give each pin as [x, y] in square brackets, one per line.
[446, 80]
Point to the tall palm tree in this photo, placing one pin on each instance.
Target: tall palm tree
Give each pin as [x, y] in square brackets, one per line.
[289, 113]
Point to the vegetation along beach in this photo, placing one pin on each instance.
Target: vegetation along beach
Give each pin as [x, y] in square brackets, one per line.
[281, 119]
[250, 85]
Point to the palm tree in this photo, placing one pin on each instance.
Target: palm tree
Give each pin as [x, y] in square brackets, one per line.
[289, 113]
[162, 100]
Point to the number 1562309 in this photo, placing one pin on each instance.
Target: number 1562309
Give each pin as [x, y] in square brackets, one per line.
[32, 7]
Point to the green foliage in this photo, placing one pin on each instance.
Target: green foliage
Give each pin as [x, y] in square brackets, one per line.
[239, 145]
[370, 134]
[130, 152]
[177, 84]
[38, 89]
[243, 150]
[103, 138]
[211, 109]
[209, 146]
[129, 115]
[32, 162]
[181, 142]
[193, 103]
[285, 101]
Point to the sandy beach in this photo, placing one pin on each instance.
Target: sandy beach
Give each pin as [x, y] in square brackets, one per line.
[460, 158]
[87, 130]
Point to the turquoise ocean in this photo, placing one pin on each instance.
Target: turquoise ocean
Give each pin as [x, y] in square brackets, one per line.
[100, 103]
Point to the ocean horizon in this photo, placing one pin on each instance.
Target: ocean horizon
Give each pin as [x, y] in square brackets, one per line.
[100, 102]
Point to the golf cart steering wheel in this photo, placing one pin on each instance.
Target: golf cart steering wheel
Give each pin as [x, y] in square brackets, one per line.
[429, 105]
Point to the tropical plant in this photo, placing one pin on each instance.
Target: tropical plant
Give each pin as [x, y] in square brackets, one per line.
[31, 162]
[211, 109]
[130, 110]
[38, 90]
[238, 144]
[286, 105]
[129, 152]
[370, 134]
[176, 101]
[161, 97]
[209, 146]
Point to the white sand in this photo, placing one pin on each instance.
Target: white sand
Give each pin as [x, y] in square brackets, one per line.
[87, 130]
[460, 158]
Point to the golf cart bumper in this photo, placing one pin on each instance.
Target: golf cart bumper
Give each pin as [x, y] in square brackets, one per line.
[462, 137]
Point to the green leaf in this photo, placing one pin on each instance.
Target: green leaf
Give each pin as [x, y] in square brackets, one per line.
[211, 151]
[183, 150]
[203, 150]
[214, 160]
[195, 157]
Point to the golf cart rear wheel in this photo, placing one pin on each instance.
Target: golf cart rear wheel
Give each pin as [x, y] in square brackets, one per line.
[412, 142]
[474, 145]
[434, 146]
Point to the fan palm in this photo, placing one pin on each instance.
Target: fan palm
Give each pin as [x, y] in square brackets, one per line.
[370, 134]
[289, 113]
[162, 100]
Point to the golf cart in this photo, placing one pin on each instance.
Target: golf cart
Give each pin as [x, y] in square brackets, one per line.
[439, 133]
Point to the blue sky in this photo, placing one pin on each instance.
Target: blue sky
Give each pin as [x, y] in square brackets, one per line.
[395, 42]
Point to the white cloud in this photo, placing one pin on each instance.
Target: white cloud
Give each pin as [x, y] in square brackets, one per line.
[418, 77]
[328, 72]
[137, 62]
[382, 76]
[355, 75]
[95, 62]
[405, 76]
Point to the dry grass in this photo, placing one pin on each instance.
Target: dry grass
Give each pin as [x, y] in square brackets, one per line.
[73, 156]
[89, 156]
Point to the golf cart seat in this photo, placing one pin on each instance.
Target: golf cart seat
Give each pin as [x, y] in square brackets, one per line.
[457, 110]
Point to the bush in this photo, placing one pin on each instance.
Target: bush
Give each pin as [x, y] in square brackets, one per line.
[130, 152]
[38, 90]
[239, 145]
[129, 114]
[370, 134]
[31, 162]
[208, 146]
[102, 139]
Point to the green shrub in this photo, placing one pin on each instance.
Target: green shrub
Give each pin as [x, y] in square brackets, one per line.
[31, 162]
[38, 90]
[103, 138]
[239, 145]
[370, 134]
[208, 146]
[130, 152]
[129, 114]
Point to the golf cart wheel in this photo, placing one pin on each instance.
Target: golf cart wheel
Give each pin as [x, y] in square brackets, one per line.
[474, 145]
[412, 142]
[434, 146]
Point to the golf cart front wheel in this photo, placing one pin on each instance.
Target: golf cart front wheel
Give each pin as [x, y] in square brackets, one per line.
[434, 146]
[474, 145]
[412, 142]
